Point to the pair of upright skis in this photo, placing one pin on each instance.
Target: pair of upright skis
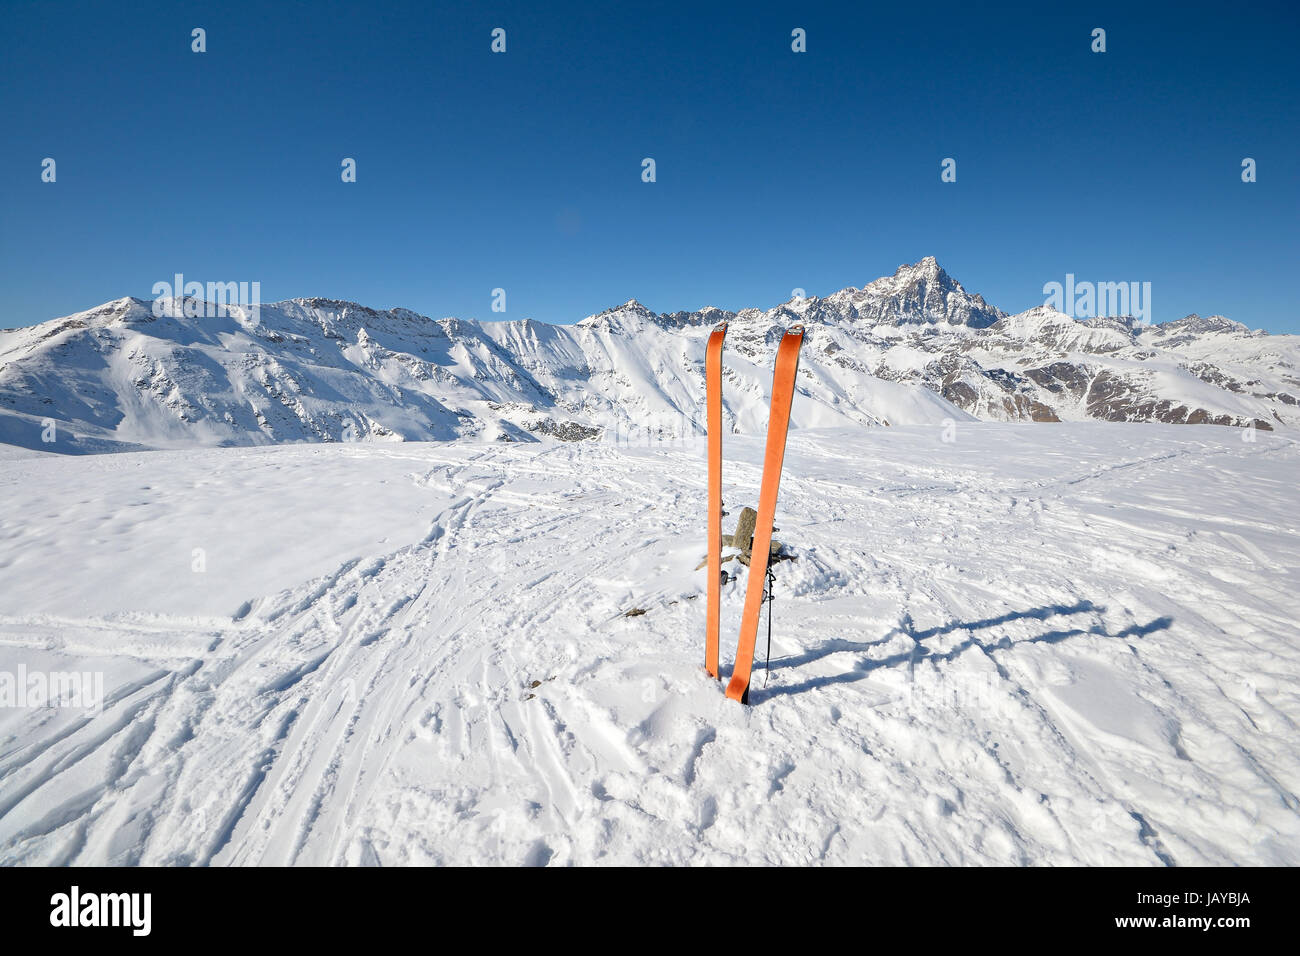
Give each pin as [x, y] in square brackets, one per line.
[787, 364]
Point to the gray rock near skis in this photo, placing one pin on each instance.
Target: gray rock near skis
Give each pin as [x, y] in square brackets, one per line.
[744, 536]
[744, 539]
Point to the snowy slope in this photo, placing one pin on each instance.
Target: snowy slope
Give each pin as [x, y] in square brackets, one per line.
[1033, 644]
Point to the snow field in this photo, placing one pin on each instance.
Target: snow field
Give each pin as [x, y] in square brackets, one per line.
[1046, 644]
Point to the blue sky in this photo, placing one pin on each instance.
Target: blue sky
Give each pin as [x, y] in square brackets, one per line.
[775, 170]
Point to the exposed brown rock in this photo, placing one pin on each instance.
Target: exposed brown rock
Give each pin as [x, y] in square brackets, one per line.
[744, 536]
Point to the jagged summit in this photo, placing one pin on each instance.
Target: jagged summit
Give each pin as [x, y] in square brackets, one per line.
[917, 294]
[926, 270]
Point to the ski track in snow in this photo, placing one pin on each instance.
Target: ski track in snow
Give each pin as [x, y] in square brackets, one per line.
[1033, 645]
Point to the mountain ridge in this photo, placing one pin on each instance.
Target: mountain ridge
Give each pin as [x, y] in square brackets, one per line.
[915, 347]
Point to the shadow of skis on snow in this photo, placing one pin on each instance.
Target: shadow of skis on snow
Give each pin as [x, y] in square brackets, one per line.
[865, 666]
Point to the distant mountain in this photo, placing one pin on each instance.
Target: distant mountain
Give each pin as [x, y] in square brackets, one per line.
[916, 295]
[914, 347]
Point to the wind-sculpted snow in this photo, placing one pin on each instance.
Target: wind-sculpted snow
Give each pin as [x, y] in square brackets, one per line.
[912, 348]
[1025, 644]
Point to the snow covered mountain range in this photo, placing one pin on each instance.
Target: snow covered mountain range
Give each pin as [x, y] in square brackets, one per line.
[911, 348]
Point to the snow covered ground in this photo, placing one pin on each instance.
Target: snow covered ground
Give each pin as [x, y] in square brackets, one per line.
[1041, 644]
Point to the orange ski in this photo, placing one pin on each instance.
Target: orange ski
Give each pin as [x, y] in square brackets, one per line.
[778, 424]
[713, 389]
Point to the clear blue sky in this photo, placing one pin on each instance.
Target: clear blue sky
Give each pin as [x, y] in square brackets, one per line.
[775, 170]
